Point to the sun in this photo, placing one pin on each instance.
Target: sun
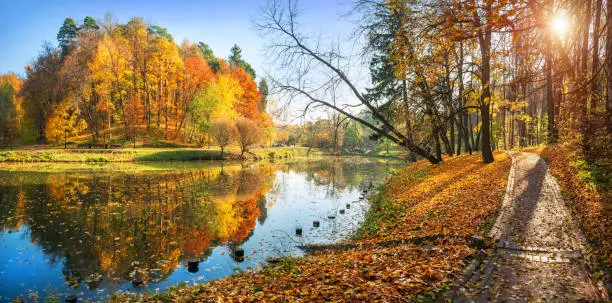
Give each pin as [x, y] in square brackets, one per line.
[559, 25]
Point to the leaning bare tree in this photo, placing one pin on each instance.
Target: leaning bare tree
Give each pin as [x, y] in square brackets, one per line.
[312, 72]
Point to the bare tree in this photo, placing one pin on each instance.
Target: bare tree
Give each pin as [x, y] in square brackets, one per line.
[224, 132]
[313, 71]
[248, 134]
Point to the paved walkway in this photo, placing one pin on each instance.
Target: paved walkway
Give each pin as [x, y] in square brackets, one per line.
[538, 255]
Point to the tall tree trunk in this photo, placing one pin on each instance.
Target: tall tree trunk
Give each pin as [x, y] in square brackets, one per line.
[596, 94]
[477, 137]
[470, 129]
[484, 37]
[585, 93]
[452, 132]
[550, 101]
[609, 67]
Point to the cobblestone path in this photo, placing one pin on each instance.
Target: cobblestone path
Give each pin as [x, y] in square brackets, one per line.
[538, 255]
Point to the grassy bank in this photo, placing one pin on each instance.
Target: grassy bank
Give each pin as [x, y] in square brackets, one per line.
[453, 201]
[586, 185]
[107, 155]
[287, 152]
[142, 154]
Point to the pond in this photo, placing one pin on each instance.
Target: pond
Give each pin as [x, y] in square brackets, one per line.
[95, 231]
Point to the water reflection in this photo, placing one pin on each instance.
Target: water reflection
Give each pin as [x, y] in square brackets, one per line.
[93, 233]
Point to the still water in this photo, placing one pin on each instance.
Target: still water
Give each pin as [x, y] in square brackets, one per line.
[96, 231]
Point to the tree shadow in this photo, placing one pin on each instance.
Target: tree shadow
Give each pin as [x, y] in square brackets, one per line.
[525, 203]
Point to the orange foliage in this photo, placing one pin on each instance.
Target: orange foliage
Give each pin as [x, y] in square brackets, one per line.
[197, 242]
[248, 104]
[248, 213]
[197, 73]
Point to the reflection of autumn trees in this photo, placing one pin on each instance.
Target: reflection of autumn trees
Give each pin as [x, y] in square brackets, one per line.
[126, 225]
[121, 226]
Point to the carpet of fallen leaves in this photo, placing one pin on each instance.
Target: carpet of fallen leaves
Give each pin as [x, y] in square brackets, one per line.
[589, 201]
[453, 199]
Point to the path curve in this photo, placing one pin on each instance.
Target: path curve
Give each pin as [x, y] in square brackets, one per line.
[538, 255]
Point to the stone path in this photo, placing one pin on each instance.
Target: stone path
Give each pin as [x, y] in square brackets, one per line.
[538, 257]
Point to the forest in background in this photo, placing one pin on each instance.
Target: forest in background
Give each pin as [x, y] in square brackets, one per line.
[122, 82]
[452, 77]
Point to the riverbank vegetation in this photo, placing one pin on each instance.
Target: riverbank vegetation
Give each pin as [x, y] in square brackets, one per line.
[152, 154]
[421, 201]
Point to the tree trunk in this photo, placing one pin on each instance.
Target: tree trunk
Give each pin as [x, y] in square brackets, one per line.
[459, 134]
[595, 68]
[585, 94]
[447, 145]
[437, 145]
[452, 133]
[609, 68]
[485, 98]
[550, 102]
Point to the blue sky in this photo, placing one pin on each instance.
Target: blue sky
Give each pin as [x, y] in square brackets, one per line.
[25, 25]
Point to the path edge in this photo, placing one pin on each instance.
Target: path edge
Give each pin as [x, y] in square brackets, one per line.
[496, 231]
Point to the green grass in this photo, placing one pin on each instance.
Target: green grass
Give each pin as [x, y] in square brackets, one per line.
[382, 209]
[108, 155]
[382, 154]
[287, 152]
[392, 154]
[144, 154]
[180, 155]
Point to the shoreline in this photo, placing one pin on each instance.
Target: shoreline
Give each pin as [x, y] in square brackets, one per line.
[146, 155]
[368, 270]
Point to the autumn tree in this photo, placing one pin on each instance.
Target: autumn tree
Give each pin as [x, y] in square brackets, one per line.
[64, 122]
[248, 134]
[196, 75]
[301, 59]
[248, 103]
[10, 108]
[134, 78]
[41, 88]
[216, 100]
[224, 132]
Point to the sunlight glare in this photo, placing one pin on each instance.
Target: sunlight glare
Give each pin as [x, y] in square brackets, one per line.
[560, 25]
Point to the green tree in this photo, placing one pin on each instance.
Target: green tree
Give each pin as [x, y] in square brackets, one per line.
[161, 32]
[66, 36]
[208, 54]
[89, 24]
[235, 59]
[353, 137]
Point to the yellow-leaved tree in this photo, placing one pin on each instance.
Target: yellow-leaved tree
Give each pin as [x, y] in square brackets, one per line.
[216, 100]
